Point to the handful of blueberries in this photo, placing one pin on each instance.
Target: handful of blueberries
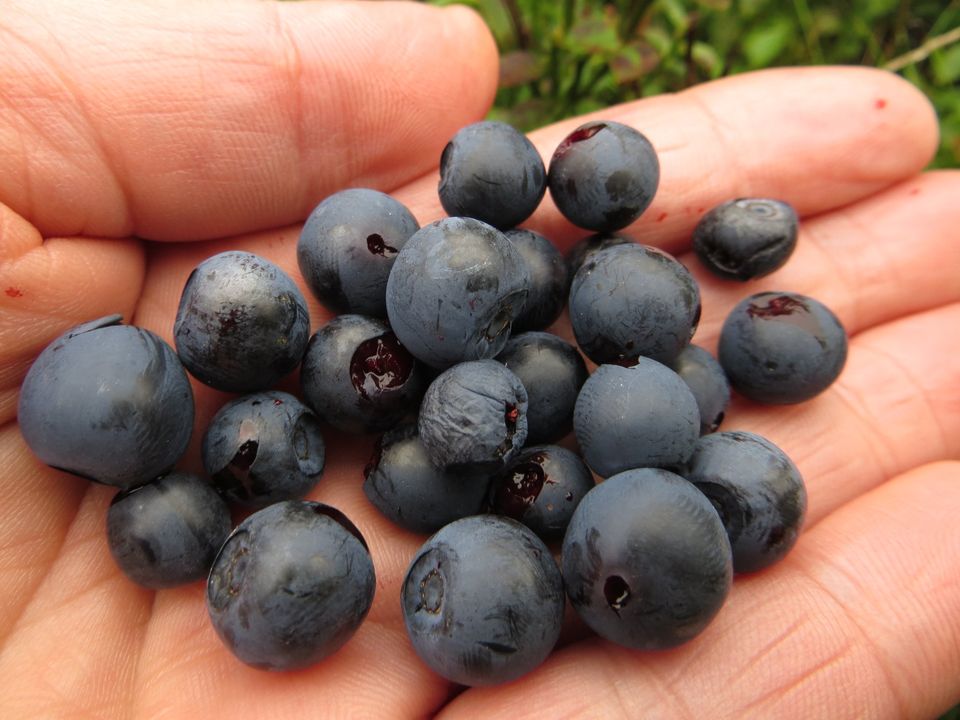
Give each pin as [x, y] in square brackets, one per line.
[439, 346]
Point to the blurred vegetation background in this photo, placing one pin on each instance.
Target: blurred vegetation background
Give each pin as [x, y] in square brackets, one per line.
[565, 57]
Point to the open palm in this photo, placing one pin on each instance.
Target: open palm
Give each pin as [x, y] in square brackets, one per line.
[137, 145]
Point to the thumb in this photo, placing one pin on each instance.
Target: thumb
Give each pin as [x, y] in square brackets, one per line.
[181, 120]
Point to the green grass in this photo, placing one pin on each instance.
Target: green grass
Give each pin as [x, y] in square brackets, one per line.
[568, 57]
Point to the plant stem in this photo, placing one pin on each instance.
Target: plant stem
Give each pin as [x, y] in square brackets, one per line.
[923, 52]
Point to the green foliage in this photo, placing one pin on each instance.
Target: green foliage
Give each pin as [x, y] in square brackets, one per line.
[565, 57]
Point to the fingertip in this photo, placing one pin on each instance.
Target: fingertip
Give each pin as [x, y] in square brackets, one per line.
[467, 30]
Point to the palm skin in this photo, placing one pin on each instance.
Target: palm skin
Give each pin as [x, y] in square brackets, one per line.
[137, 146]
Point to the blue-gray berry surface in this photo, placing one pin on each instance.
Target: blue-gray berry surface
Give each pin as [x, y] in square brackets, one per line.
[552, 372]
[348, 245]
[264, 447]
[549, 283]
[646, 561]
[630, 301]
[358, 377]
[166, 533]
[584, 250]
[490, 171]
[603, 176]
[746, 238]
[483, 601]
[781, 348]
[242, 323]
[639, 416]
[290, 586]
[756, 489]
[474, 417]
[108, 402]
[454, 291]
[703, 374]
[402, 483]
[541, 487]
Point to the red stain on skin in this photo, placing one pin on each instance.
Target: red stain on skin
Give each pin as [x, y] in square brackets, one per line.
[701, 210]
[915, 191]
[880, 104]
[661, 217]
[14, 292]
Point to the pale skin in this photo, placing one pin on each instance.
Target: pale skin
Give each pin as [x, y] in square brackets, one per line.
[140, 138]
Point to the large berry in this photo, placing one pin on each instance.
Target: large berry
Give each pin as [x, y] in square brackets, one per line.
[358, 377]
[758, 492]
[746, 238]
[474, 417]
[454, 291]
[781, 348]
[541, 487]
[108, 402]
[646, 561]
[632, 300]
[348, 245]
[402, 483]
[492, 172]
[552, 373]
[290, 585]
[483, 601]
[263, 448]
[549, 282]
[242, 323]
[167, 533]
[705, 377]
[603, 176]
[640, 416]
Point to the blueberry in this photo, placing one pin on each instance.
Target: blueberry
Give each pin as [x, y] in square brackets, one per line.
[640, 416]
[490, 171]
[541, 487]
[290, 585]
[348, 245]
[758, 492]
[402, 483]
[630, 301]
[358, 377]
[483, 601]
[108, 402]
[474, 416]
[708, 383]
[603, 176]
[242, 324]
[166, 533]
[646, 561]
[584, 250]
[454, 291]
[781, 348]
[552, 373]
[548, 280]
[263, 448]
[746, 238]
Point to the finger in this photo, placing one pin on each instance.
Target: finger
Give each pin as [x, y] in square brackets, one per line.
[179, 120]
[860, 621]
[48, 286]
[819, 138]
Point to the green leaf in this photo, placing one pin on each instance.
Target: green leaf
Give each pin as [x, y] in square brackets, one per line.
[594, 34]
[676, 14]
[765, 43]
[633, 62]
[945, 65]
[707, 59]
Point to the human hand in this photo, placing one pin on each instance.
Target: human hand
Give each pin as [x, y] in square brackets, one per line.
[137, 147]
